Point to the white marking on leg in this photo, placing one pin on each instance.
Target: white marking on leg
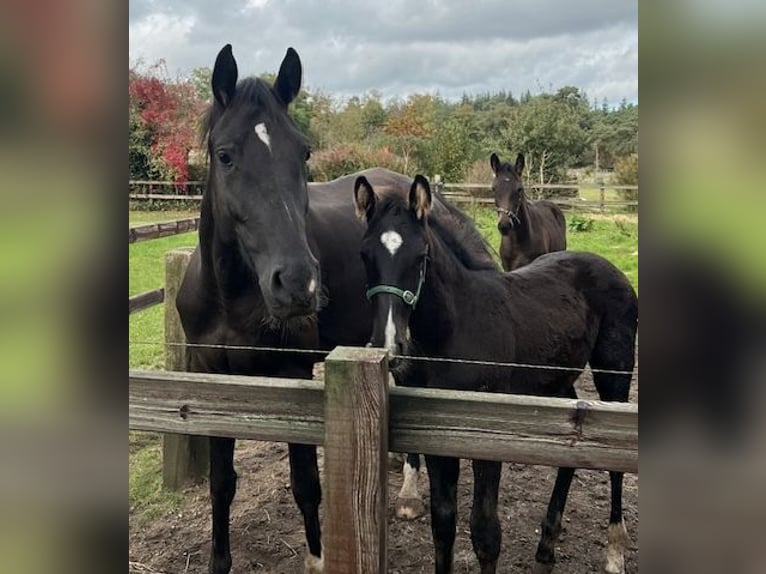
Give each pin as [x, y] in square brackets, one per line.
[263, 134]
[392, 240]
[617, 541]
[312, 286]
[314, 564]
[410, 484]
[390, 332]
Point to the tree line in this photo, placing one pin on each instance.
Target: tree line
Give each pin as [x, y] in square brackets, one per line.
[556, 130]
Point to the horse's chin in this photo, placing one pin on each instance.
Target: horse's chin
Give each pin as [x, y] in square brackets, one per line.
[290, 322]
[399, 367]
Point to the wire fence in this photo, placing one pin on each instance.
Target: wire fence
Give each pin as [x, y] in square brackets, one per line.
[451, 360]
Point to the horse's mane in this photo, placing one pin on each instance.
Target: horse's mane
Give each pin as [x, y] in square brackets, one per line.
[460, 235]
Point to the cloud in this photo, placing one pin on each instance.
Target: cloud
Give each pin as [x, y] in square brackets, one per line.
[396, 47]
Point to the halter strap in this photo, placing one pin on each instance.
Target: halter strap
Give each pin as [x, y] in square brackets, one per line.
[406, 295]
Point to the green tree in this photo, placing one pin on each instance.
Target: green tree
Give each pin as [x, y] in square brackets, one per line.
[551, 132]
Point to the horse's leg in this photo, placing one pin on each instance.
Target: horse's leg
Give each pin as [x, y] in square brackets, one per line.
[443, 473]
[223, 485]
[410, 505]
[486, 534]
[614, 350]
[304, 480]
[550, 528]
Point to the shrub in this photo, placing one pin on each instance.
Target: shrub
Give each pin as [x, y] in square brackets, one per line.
[339, 160]
[626, 173]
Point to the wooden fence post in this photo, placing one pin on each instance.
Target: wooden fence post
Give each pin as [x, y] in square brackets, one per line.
[185, 458]
[356, 461]
[602, 198]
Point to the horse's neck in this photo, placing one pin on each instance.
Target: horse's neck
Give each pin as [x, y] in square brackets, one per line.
[523, 227]
[436, 317]
[223, 269]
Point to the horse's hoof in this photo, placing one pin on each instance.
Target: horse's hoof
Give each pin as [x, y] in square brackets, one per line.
[617, 541]
[410, 508]
[614, 565]
[543, 568]
[313, 564]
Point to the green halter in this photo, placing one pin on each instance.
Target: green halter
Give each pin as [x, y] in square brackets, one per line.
[406, 295]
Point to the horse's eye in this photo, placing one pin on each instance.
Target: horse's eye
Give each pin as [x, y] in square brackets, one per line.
[224, 158]
[308, 155]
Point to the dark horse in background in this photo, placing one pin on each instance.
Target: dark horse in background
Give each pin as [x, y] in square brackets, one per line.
[436, 293]
[527, 229]
[277, 266]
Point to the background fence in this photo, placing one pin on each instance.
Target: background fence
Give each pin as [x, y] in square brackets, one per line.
[567, 195]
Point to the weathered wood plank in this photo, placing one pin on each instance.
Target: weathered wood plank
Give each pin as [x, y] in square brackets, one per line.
[356, 460]
[186, 458]
[532, 430]
[260, 408]
[162, 229]
[164, 196]
[145, 300]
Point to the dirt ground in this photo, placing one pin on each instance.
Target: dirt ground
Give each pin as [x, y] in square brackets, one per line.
[267, 534]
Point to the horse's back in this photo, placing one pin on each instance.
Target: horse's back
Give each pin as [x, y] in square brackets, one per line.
[599, 282]
[553, 223]
[336, 233]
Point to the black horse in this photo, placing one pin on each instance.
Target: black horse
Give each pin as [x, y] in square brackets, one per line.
[277, 266]
[435, 292]
[527, 229]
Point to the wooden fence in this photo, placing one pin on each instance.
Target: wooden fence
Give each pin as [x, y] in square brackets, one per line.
[476, 194]
[459, 193]
[358, 419]
[154, 231]
[165, 190]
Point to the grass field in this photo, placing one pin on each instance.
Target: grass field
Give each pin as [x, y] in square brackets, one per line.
[147, 271]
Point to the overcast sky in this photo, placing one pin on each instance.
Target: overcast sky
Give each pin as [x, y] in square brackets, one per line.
[399, 47]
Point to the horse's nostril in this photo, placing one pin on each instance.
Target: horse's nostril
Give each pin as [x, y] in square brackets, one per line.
[276, 280]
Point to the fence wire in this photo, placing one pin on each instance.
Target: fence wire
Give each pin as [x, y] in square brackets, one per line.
[452, 360]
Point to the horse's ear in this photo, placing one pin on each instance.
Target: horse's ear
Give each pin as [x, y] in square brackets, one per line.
[288, 82]
[494, 162]
[519, 167]
[420, 196]
[224, 80]
[364, 199]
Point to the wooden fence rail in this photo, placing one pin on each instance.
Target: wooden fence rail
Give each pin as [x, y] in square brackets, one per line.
[357, 417]
[145, 300]
[162, 229]
[523, 429]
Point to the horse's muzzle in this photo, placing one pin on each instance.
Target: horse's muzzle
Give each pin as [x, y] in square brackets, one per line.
[504, 225]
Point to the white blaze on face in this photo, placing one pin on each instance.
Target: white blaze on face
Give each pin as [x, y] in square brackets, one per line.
[390, 332]
[263, 134]
[312, 286]
[392, 241]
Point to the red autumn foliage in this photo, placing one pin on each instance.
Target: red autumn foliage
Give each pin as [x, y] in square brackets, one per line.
[167, 111]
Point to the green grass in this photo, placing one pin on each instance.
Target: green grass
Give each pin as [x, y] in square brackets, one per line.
[146, 496]
[147, 272]
[615, 238]
[139, 217]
